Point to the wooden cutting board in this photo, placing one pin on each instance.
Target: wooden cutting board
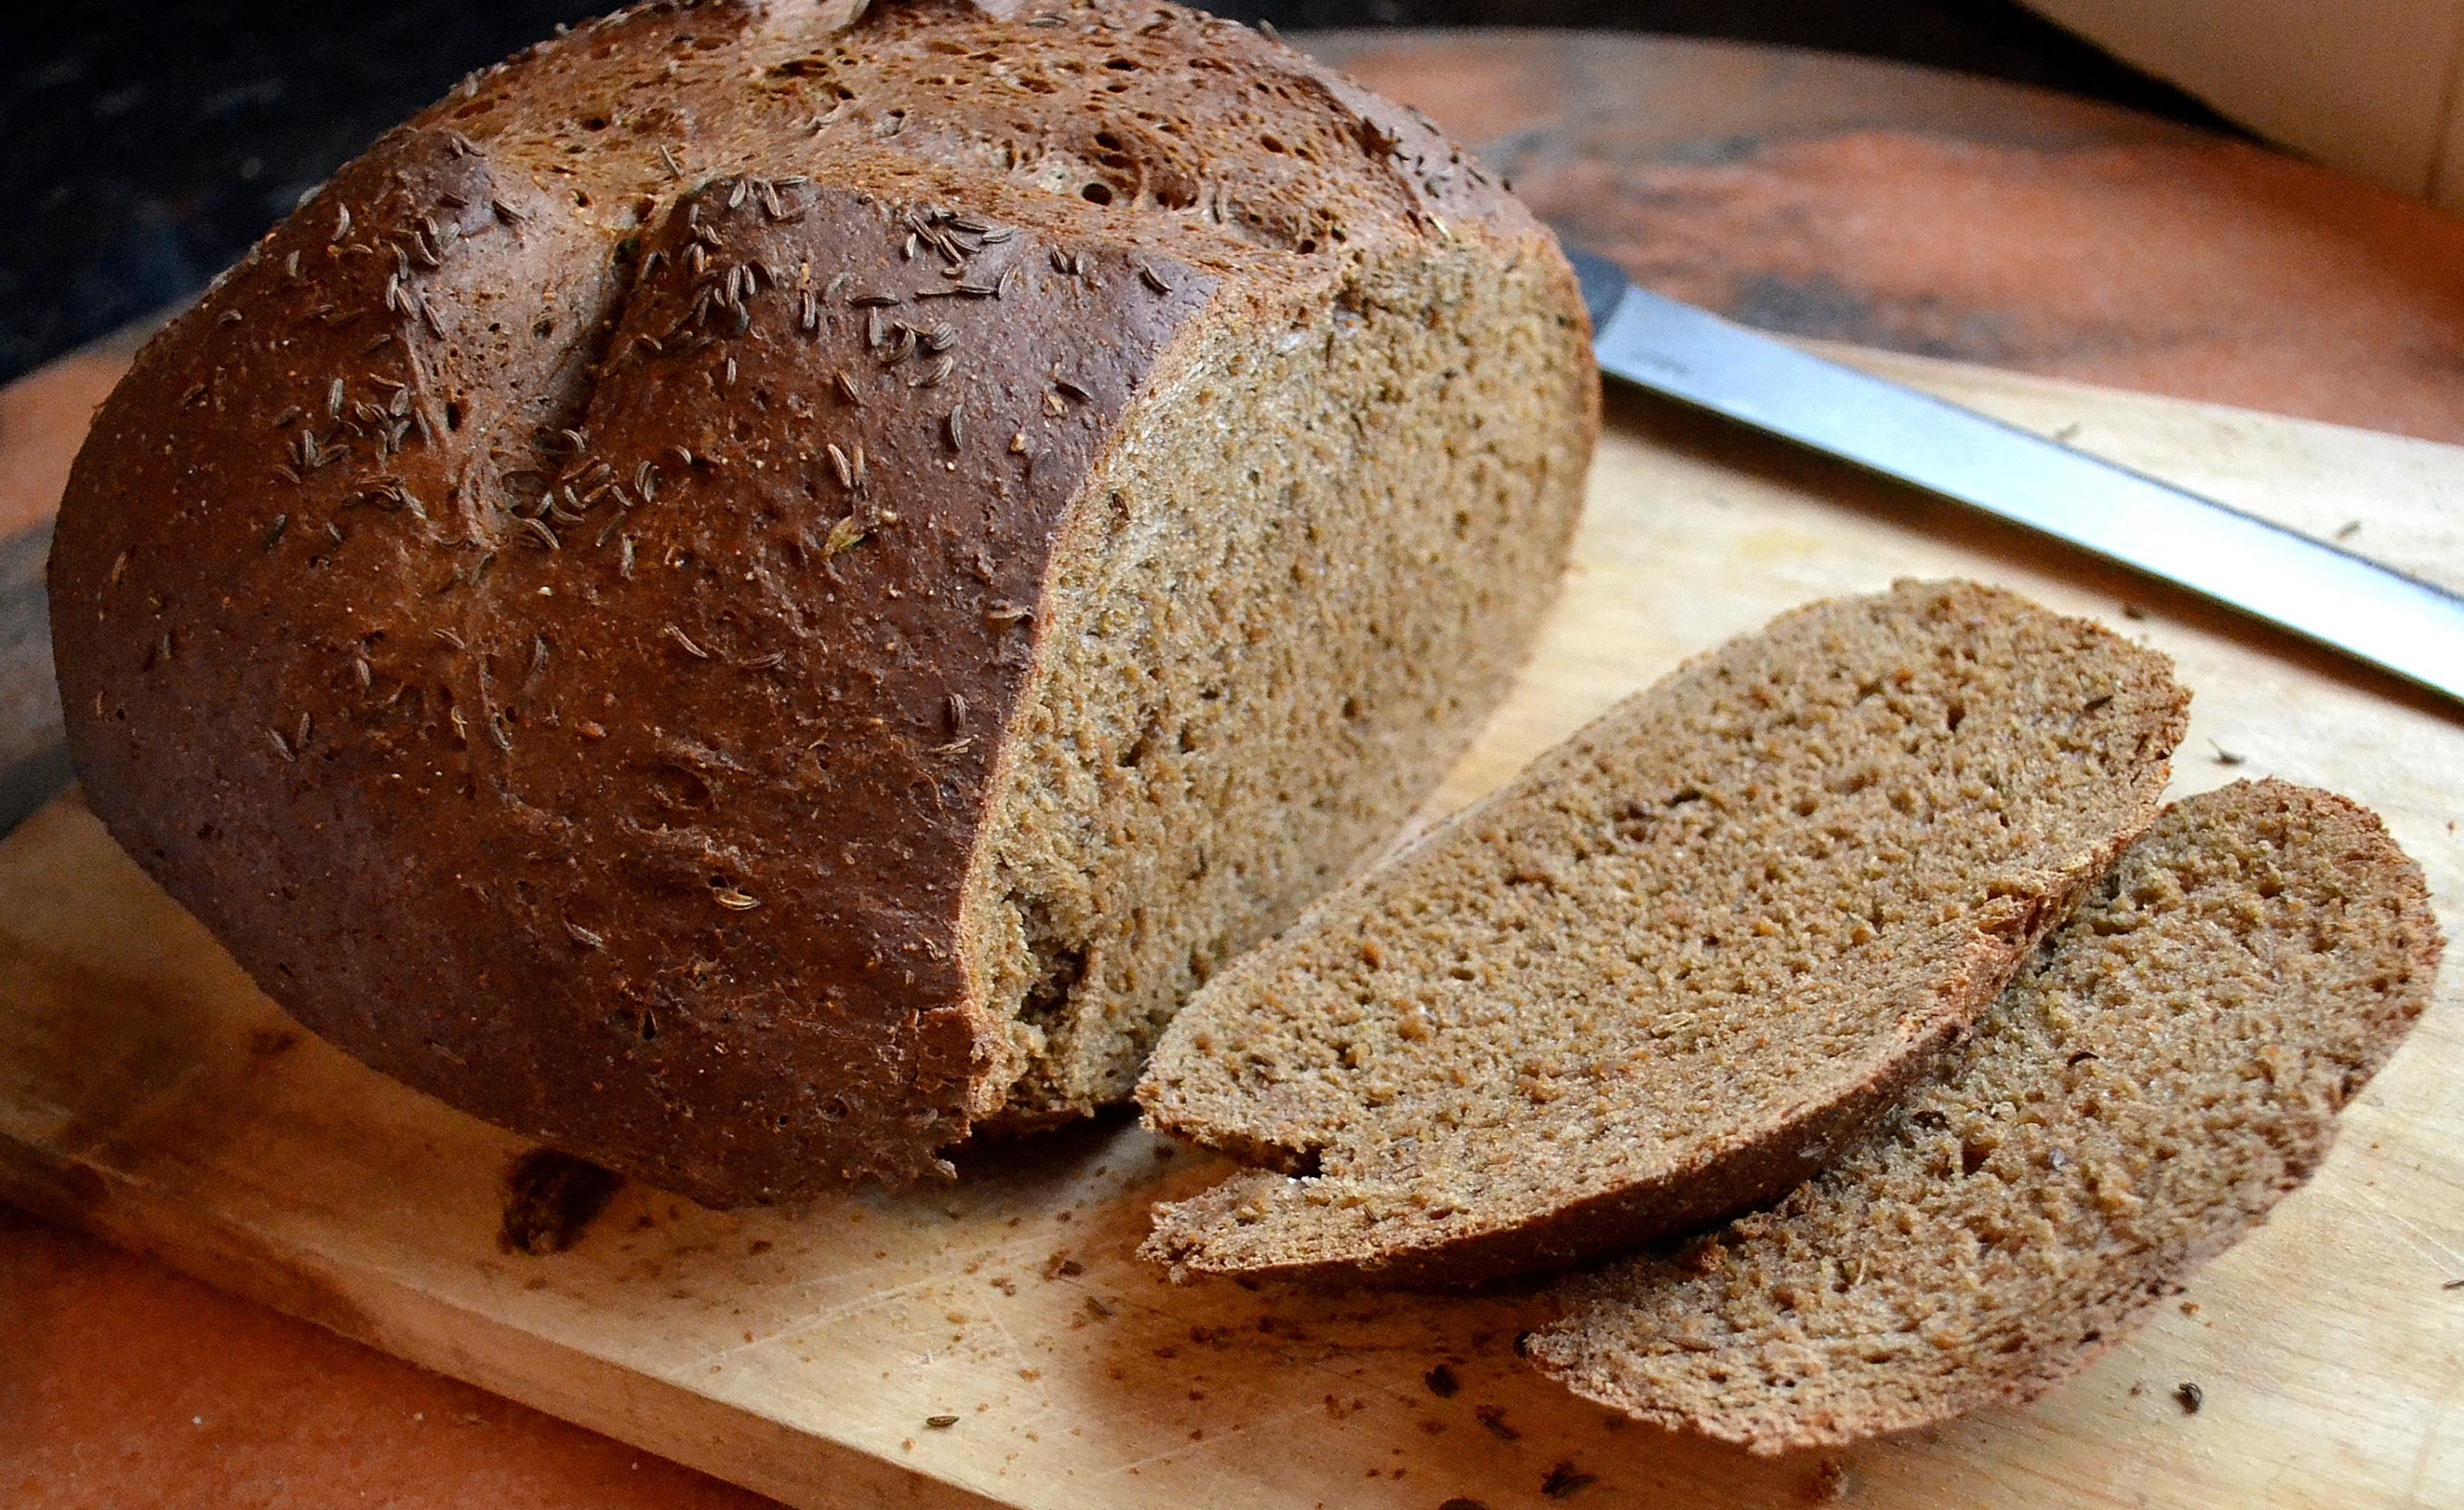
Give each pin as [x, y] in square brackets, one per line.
[149, 1094]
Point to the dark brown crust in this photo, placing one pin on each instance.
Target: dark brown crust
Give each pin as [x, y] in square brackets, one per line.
[641, 826]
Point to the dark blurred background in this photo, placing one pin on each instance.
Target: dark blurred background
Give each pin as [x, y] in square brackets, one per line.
[143, 145]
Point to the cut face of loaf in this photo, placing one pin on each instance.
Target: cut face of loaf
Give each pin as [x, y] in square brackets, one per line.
[747, 595]
[2165, 1069]
[1678, 962]
[1306, 575]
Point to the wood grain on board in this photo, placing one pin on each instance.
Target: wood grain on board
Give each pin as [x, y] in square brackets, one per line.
[1823, 196]
[148, 1093]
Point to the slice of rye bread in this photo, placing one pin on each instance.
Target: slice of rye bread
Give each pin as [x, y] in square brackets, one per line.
[1672, 968]
[2165, 1069]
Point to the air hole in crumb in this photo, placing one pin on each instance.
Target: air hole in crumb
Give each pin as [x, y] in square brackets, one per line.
[1301, 1164]
[1096, 193]
[1059, 968]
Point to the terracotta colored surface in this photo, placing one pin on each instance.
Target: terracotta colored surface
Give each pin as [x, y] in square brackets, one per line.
[128, 1385]
[41, 424]
[1954, 217]
[1824, 196]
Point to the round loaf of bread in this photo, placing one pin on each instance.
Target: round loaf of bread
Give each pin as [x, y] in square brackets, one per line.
[761, 587]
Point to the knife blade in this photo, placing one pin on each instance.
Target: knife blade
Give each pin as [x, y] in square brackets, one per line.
[2329, 595]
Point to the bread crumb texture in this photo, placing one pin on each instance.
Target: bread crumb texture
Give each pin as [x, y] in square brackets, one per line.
[1671, 968]
[2168, 1065]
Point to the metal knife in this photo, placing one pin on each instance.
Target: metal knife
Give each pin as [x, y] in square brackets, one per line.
[2310, 587]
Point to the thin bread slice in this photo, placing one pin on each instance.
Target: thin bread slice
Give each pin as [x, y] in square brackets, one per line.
[2165, 1069]
[1670, 969]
